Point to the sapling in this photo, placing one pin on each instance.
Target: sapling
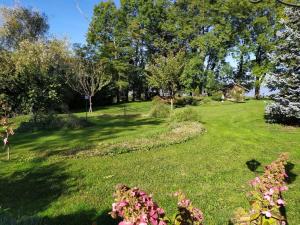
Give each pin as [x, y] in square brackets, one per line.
[7, 131]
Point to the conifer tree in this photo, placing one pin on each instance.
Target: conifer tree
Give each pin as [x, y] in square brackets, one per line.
[286, 77]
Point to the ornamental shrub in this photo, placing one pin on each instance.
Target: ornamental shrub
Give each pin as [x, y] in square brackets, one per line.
[159, 108]
[185, 114]
[187, 213]
[187, 100]
[217, 96]
[135, 207]
[266, 197]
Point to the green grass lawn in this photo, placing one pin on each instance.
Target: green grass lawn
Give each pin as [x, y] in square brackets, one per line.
[211, 168]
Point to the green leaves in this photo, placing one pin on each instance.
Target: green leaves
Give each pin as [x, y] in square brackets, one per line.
[165, 72]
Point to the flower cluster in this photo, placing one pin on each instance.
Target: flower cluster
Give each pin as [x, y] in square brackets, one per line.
[187, 213]
[266, 198]
[135, 207]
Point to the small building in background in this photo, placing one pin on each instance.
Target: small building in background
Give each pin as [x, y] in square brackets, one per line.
[234, 92]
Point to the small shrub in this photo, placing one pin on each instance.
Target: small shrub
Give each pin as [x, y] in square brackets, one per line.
[159, 108]
[185, 114]
[206, 100]
[187, 100]
[187, 213]
[266, 197]
[135, 207]
[217, 96]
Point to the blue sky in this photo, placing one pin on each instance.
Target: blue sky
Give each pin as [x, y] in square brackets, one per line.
[64, 16]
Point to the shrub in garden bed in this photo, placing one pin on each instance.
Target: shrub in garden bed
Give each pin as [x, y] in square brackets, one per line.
[185, 114]
[266, 198]
[134, 207]
[187, 100]
[159, 108]
[217, 96]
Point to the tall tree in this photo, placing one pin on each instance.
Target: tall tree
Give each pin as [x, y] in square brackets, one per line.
[87, 74]
[36, 83]
[165, 73]
[253, 28]
[19, 24]
[286, 77]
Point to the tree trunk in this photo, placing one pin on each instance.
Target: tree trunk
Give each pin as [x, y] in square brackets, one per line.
[257, 88]
[90, 101]
[8, 153]
[171, 104]
[126, 97]
[118, 95]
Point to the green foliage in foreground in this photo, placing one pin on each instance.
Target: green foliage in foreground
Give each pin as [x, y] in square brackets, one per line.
[211, 168]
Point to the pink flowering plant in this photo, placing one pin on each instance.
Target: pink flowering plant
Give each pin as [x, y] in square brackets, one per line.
[135, 207]
[187, 213]
[266, 196]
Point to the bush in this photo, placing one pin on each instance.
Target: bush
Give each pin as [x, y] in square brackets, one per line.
[266, 197]
[206, 100]
[187, 100]
[51, 121]
[217, 96]
[135, 207]
[159, 108]
[185, 114]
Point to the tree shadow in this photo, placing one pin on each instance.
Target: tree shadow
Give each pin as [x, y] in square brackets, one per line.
[291, 176]
[230, 222]
[253, 165]
[82, 217]
[105, 127]
[29, 191]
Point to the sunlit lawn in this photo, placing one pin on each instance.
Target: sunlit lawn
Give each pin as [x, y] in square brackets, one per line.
[211, 169]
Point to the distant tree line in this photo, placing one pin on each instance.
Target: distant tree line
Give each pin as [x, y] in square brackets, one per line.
[138, 48]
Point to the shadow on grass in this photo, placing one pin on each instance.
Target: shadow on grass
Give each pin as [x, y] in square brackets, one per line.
[84, 217]
[253, 165]
[103, 127]
[29, 191]
[291, 176]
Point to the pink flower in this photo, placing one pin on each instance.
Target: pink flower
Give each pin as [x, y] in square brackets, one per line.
[280, 202]
[255, 181]
[122, 204]
[267, 197]
[114, 207]
[267, 213]
[162, 223]
[160, 211]
[271, 192]
[125, 223]
[283, 188]
[5, 141]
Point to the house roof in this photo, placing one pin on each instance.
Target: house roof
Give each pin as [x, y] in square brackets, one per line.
[231, 85]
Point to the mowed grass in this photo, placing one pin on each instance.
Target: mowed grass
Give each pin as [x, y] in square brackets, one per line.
[211, 168]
